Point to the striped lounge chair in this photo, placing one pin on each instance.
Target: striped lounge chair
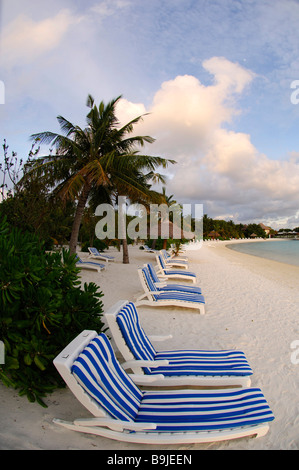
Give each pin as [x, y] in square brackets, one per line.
[213, 368]
[125, 413]
[173, 262]
[163, 286]
[155, 298]
[94, 253]
[147, 249]
[168, 256]
[165, 273]
[89, 264]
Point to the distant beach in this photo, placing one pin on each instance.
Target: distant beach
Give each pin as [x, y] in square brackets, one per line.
[251, 304]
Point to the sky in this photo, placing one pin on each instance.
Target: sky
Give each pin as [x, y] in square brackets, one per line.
[216, 80]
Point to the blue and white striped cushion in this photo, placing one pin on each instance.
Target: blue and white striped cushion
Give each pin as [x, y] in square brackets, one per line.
[134, 335]
[180, 288]
[202, 362]
[188, 410]
[170, 295]
[148, 279]
[175, 261]
[180, 296]
[101, 376]
[161, 262]
[79, 260]
[153, 272]
[181, 362]
[171, 287]
[168, 257]
[96, 252]
[174, 272]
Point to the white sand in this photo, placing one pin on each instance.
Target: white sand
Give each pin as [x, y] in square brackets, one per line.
[251, 304]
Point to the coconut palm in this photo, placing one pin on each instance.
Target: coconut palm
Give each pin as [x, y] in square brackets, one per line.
[99, 159]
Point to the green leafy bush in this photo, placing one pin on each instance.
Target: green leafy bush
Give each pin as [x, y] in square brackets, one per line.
[42, 308]
[98, 244]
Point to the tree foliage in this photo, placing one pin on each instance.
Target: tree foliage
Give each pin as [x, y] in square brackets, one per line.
[99, 159]
[228, 229]
[42, 308]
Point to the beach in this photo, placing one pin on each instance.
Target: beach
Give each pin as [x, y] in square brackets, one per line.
[251, 304]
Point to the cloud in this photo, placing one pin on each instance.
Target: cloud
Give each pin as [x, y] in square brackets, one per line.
[25, 40]
[216, 165]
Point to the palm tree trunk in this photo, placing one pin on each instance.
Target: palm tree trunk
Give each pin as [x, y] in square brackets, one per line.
[123, 235]
[78, 217]
[125, 252]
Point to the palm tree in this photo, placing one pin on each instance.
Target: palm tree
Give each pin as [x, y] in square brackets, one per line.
[100, 159]
[168, 199]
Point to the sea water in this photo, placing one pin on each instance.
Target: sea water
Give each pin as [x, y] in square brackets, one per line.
[284, 251]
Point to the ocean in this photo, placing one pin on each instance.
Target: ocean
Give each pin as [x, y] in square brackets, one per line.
[284, 251]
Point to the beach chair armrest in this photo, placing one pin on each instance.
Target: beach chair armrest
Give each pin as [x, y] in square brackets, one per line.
[142, 379]
[144, 363]
[116, 425]
[161, 284]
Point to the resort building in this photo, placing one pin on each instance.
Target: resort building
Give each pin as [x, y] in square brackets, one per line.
[267, 230]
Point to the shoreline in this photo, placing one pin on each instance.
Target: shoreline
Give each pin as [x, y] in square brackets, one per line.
[261, 256]
[247, 308]
[277, 271]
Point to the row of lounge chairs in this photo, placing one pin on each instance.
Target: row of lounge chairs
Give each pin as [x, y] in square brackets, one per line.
[226, 408]
[157, 294]
[161, 294]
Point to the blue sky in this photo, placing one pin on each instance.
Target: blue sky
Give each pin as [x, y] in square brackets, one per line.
[214, 75]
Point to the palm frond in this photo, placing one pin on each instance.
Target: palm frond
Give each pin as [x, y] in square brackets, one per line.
[66, 126]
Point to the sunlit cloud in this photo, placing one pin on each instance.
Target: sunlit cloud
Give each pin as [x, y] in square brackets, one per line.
[216, 165]
[25, 40]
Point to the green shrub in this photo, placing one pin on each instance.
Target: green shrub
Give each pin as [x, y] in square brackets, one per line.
[100, 245]
[42, 308]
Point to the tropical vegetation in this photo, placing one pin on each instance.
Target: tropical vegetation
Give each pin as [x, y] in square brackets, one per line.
[43, 307]
[222, 229]
[97, 163]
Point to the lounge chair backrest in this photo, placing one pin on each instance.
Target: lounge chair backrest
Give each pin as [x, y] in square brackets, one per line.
[149, 285]
[165, 254]
[161, 262]
[134, 335]
[101, 376]
[95, 252]
[148, 279]
[153, 273]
